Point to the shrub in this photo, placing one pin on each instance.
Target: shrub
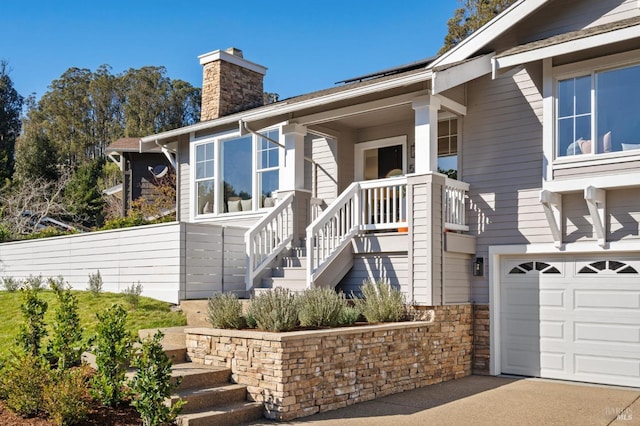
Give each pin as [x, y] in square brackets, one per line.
[112, 350]
[10, 283]
[65, 345]
[33, 330]
[152, 384]
[275, 310]
[133, 219]
[250, 321]
[225, 311]
[381, 303]
[34, 283]
[132, 294]
[95, 283]
[66, 398]
[22, 382]
[349, 316]
[321, 307]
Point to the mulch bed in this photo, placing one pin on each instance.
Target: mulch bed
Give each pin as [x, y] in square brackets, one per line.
[98, 416]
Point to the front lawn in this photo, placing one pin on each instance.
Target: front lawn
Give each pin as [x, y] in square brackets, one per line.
[149, 313]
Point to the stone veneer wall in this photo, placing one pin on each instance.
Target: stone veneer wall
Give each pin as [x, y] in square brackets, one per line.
[481, 339]
[229, 88]
[301, 373]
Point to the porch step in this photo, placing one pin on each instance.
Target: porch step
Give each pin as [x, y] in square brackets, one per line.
[291, 273]
[298, 252]
[293, 284]
[294, 262]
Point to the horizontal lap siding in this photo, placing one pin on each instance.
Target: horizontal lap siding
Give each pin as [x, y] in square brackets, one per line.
[184, 176]
[502, 162]
[617, 167]
[150, 255]
[324, 153]
[391, 267]
[457, 277]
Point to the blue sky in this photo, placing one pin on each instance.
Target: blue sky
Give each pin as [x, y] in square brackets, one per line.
[306, 45]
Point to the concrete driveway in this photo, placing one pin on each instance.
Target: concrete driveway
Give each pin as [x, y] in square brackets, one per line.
[485, 400]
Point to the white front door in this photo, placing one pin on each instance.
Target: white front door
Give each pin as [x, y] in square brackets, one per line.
[571, 318]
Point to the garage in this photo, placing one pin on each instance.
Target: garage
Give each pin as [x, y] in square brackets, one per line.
[571, 318]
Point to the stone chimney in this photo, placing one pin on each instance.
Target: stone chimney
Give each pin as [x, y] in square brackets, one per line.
[230, 83]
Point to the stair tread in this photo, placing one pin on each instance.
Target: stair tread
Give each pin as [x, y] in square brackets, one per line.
[223, 409]
[215, 388]
[189, 368]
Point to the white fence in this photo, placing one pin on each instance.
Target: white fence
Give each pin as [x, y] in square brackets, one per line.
[171, 261]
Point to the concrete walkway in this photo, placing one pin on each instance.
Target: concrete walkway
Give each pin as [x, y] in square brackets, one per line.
[485, 400]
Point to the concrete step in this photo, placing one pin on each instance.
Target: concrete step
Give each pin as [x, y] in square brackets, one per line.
[209, 397]
[231, 414]
[197, 375]
[172, 335]
[176, 353]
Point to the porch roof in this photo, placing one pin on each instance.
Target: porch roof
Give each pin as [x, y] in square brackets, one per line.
[322, 97]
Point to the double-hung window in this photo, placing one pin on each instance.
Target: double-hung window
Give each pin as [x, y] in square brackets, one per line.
[205, 178]
[597, 112]
[267, 167]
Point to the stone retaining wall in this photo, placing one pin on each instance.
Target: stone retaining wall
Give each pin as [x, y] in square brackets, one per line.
[481, 339]
[301, 373]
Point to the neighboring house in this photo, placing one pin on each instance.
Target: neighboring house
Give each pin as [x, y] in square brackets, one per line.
[141, 172]
[536, 111]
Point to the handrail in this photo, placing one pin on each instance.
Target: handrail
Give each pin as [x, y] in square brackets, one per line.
[376, 204]
[267, 238]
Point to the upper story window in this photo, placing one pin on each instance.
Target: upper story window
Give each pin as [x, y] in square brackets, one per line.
[234, 174]
[448, 147]
[597, 112]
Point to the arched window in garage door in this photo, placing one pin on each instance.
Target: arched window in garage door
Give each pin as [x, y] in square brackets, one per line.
[542, 267]
[608, 265]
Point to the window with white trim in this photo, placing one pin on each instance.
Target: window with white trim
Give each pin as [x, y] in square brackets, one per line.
[268, 167]
[235, 174]
[597, 112]
[205, 178]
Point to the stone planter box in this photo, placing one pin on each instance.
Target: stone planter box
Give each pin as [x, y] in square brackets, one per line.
[301, 373]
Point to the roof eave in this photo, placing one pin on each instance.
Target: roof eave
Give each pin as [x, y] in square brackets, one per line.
[286, 107]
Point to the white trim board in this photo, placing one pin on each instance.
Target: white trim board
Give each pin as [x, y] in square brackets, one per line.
[360, 148]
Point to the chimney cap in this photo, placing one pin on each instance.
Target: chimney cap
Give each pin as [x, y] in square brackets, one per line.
[232, 55]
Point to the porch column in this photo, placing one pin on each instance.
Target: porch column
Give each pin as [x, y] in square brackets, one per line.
[292, 159]
[426, 133]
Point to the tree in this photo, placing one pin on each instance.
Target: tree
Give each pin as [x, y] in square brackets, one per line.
[472, 15]
[10, 125]
[83, 197]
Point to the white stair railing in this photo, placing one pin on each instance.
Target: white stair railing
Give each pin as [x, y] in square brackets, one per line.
[267, 238]
[371, 205]
[455, 212]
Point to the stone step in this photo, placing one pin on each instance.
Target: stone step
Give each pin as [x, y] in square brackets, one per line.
[193, 375]
[231, 414]
[176, 353]
[174, 336]
[209, 397]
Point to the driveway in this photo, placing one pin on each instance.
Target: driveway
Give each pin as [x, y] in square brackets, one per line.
[486, 400]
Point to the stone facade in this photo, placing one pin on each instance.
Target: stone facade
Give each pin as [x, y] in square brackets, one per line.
[228, 88]
[481, 339]
[298, 374]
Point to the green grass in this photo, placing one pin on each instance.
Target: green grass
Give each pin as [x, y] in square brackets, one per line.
[150, 313]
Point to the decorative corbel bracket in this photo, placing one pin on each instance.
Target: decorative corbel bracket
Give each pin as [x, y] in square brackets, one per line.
[552, 205]
[596, 202]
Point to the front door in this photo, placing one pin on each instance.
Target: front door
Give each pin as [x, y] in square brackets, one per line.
[381, 158]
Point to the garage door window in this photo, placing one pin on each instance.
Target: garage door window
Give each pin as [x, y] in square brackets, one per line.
[608, 265]
[542, 267]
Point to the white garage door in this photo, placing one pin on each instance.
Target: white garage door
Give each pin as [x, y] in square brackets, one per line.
[571, 318]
